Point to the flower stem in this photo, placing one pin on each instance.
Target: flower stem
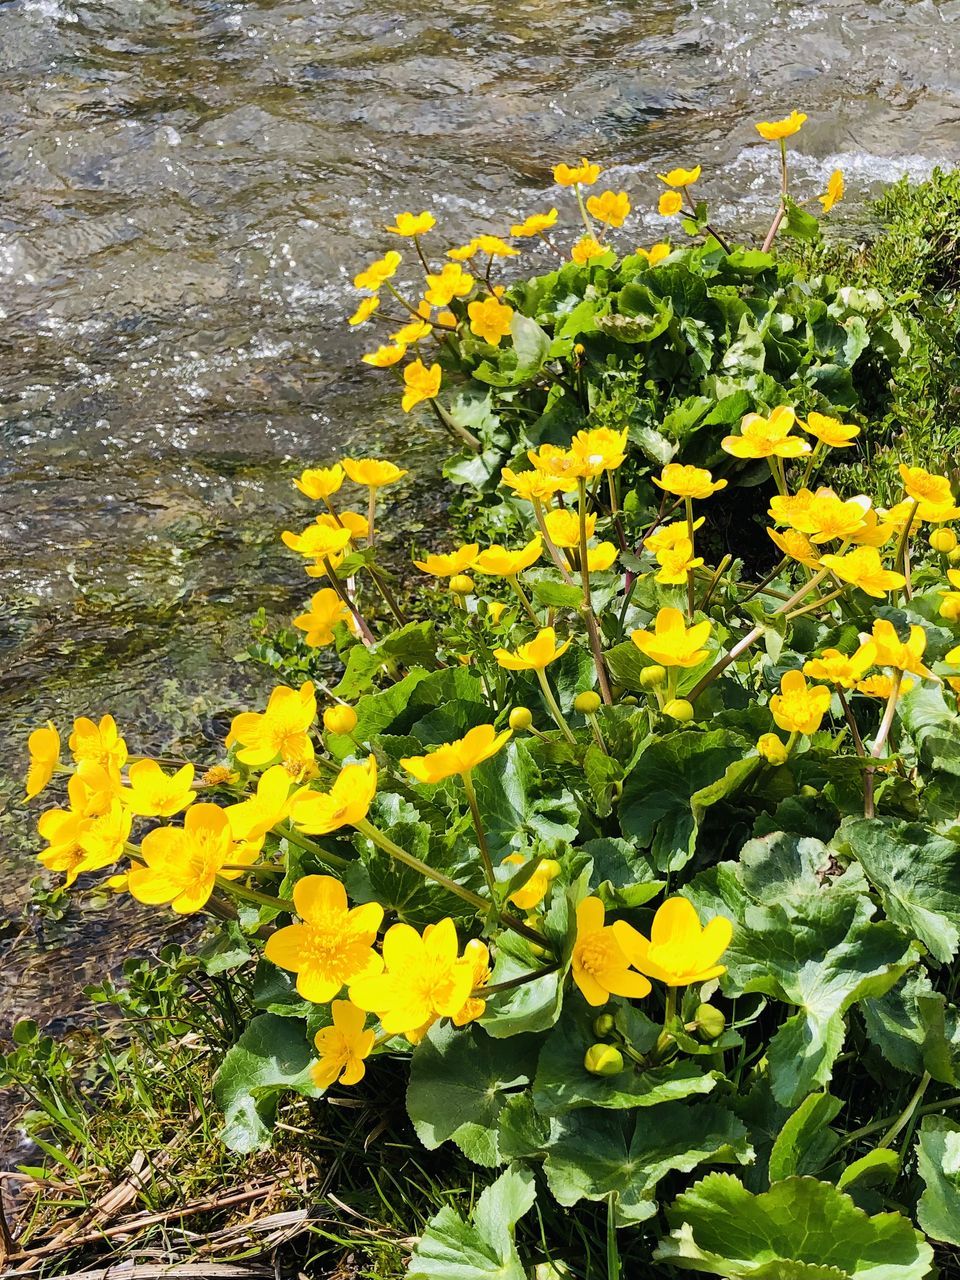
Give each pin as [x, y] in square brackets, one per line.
[371, 514]
[522, 597]
[869, 808]
[586, 608]
[365, 632]
[907, 1113]
[252, 895]
[286, 832]
[688, 511]
[481, 839]
[554, 706]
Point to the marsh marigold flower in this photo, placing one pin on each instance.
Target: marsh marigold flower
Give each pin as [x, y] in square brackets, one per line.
[182, 863]
[498, 562]
[451, 282]
[681, 177]
[378, 272]
[372, 473]
[326, 612]
[837, 668]
[772, 749]
[600, 449]
[932, 493]
[587, 248]
[599, 965]
[421, 384]
[155, 794]
[98, 743]
[342, 1047]
[535, 889]
[318, 483]
[365, 310]
[672, 643]
[655, 254]
[668, 536]
[864, 569]
[679, 952]
[669, 204]
[318, 541]
[601, 557]
[562, 464]
[688, 482]
[767, 437]
[495, 246]
[412, 333]
[490, 320]
[610, 207]
[834, 191]
[459, 757]
[385, 356]
[535, 655]
[281, 732]
[774, 130]
[535, 486]
[450, 564]
[347, 803]
[535, 224]
[332, 945]
[563, 526]
[884, 648]
[584, 175]
[676, 563]
[799, 707]
[44, 748]
[251, 819]
[477, 955]
[831, 431]
[881, 686]
[412, 224]
[423, 979]
[797, 546]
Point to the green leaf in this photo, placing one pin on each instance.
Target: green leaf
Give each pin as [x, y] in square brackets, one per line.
[880, 1167]
[799, 224]
[533, 1006]
[806, 1142]
[799, 1228]
[938, 1163]
[517, 807]
[622, 876]
[459, 1078]
[917, 874]
[454, 1248]
[595, 1155]
[271, 1057]
[915, 1029]
[563, 1083]
[376, 712]
[933, 726]
[673, 784]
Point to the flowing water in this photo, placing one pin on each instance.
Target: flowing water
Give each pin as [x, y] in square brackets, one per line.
[187, 189]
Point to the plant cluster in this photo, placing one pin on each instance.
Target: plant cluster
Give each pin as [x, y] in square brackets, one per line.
[649, 870]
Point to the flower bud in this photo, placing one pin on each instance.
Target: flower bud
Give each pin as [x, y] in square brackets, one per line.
[653, 677]
[520, 718]
[771, 749]
[548, 867]
[950, 609]
[339, 719]
[603, 1060]
[943, 540]
[461, 585]
[679, 709]
[808, 792]
[587, 703]
[495, 609]
[954, 556]
[629, 700]
[603, 1024]
[710, 1022]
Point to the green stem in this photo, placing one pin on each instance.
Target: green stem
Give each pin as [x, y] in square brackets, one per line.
[252, 895]
[586, 608]
[481, 840]
[904, 1117]
[688, 511]
[286, 832]
[522, 597]
[554, 706]
[365, 632]
[371, 514]
[869, 807]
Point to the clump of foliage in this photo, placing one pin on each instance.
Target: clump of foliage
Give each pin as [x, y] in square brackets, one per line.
[642, 872]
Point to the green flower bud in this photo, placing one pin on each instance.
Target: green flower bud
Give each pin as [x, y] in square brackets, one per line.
[587, 703]
[710, 1022]
[679, 709]
[603, 1025]
[653, 677]
[603, 1060]
[809, 792]
[629, 700]
[771, 749]
[461, 584]
[520, 718]
[943, 540]
[339, 719]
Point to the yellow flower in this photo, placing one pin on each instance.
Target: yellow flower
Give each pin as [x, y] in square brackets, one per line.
[834, 191]
[424, 979]
[497, 562]
[495, 611]
[679, 952]
[348, 801]
[98, 743]
[490, 320]
[421, 384]
[881, 686]
[585, 174]
[155, 794]
[318, 483]
[410, 334]
[772, 749]
[450, 758]
[535, 224]
[655, 254]
[563, 464]
[412, 224]
[681, 177]
[774, 130]
[61, 829]
[836, 668]
[251, 819]
[533, 892]
[281, 732]
[671, 643]
[343, 1046]
[319, 541]
[610, 207]
[378, 272]
[600, 967]
[586, 248]
[103, 837]
[676, 563]
[464, 252]
[669, 535]
[600, 449]
[830, 517]
[799, 708]
[793, 510]
[373, 473]
[333, 946]
[884, 648]
[44, 747]
[94, 788]
[452, 282]
[535, 655]
[831, 431]
[326, 612]
[933, 494]
[863, 568]
[182, 863]
[873, 532]
[688, 482]
[563, 527]
[766, 437]
[797, 546]
[477, 955]
[365, 310]
[448, 566]
[601, 557]
[495, 247]
[669, 204]
[535, 485]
